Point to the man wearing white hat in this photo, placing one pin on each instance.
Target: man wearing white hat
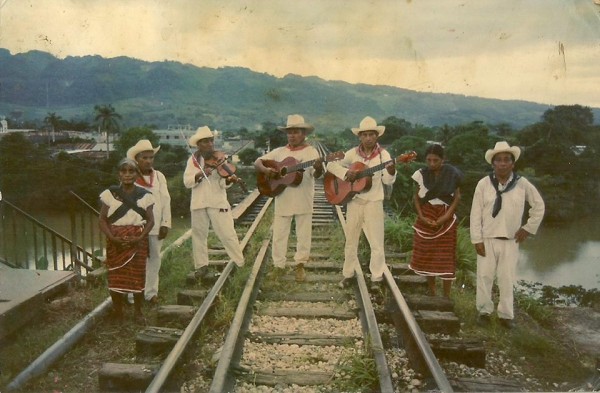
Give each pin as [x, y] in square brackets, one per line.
[294, 202]
[365, 211]
[155, 182]
[209, 204]
[496, 230]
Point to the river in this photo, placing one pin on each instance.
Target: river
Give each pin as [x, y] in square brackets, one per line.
[565, 254]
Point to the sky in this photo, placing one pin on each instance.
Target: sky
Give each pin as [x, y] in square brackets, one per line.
[545, 51]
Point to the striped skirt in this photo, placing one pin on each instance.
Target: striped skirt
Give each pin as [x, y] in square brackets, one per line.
[126, 265]
[434, 249]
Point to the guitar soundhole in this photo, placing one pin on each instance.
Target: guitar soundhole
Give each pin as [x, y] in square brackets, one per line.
[283, 171]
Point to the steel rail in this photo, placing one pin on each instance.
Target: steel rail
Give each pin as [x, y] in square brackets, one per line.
[175, 354]
[418, 337]
[221, 375]
[60, 347]
[64, 345]
[369, 319]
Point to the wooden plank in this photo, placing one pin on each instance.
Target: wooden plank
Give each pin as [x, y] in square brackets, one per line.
[406, 281]
[312, 278]
[466, 351]
[490, 384]
[302, 339]
[305, 312]
[153, 341]
[305, 296]
[437, 321]
[423, 302]
[399, 268]
[125, 377]
[191, 297]
[288, 377]
[179, 315]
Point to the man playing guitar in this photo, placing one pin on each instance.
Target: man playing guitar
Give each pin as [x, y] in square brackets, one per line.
[294, 202]
[365, 210]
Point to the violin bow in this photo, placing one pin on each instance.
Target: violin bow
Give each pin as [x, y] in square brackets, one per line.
[193, 156]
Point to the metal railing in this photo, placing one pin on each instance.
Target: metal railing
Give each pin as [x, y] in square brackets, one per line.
[27, 243]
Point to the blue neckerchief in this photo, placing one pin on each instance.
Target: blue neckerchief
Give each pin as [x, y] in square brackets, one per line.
[498, 202]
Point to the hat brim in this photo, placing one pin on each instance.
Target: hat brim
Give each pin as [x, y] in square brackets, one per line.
[379, 129]
[514, 150]
[131, 153]
[302, 126]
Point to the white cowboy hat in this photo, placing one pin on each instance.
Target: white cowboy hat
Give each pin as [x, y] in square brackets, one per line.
[368, 124]
[296, 121]
[201, 133]
[502, 147]
[140, 146]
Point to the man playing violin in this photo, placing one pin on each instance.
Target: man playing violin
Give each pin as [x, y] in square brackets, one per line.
[365, 210]
[209, 203]
[294, 202]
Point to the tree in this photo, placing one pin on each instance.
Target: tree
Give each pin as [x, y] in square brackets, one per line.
[132, 135]
[53, 121]
[248, 156]
[107, 118]
[394, 129]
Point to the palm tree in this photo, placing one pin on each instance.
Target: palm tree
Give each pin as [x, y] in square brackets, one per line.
[107, 118]
[53, 121]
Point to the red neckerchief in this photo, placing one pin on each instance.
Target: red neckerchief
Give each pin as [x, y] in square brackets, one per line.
[299, 147]
[142, 182]
[374, 153]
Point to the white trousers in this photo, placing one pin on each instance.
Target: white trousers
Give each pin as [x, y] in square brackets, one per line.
[281, 233]
[152, 266]
[368, 217]
[222, 223]
[500, 261]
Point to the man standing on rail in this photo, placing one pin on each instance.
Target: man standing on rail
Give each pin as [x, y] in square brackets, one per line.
[365, 210]
[155, 182]
[497, 230]
[294, 202]
[209, 204]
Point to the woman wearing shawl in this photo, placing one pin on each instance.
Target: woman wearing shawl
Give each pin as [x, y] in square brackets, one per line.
[126, 219]
[436, 199]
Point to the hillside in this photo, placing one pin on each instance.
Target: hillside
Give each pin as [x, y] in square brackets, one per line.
[162, 93]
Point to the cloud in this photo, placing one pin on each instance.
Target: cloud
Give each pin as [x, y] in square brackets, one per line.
[497, 49]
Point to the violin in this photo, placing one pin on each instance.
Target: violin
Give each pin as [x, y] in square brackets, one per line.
[218, 161]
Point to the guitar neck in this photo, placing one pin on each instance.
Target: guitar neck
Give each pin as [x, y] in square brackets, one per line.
[378, 167]
[300, 166]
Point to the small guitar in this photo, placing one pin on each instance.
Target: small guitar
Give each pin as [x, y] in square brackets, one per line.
[289, 173]
[339, 192]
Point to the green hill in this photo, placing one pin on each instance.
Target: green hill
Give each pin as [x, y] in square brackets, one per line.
[162, 93]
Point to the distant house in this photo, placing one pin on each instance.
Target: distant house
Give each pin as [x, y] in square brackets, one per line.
[178, 135]
[578, 149]
[175, 135]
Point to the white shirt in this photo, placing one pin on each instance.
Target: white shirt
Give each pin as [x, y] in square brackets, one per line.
[508, 221]
[162, 200]
[131, 217]
[340, 168]
[209, 192]
[298, 199]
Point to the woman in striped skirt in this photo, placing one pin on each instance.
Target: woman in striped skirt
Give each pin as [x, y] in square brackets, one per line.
[126, 219]
[436, 199]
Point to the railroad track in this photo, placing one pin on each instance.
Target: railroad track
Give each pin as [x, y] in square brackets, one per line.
[305, 335]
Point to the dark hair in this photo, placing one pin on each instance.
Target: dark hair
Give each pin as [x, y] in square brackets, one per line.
[436, 149]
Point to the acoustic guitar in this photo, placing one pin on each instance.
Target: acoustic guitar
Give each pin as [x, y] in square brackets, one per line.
[339, 192]
[289, 173]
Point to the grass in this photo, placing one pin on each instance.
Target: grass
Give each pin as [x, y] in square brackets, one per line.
[532, 344]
